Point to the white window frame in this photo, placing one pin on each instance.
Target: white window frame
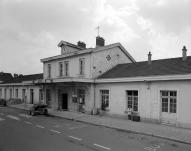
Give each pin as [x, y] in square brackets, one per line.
[134, 107]
[82, 66]
[49, 70]
[16, 93]
[169, 97]
[105, 99]
[60, 64]
[66, 68]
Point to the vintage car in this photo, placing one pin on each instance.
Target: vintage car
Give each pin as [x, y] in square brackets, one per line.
[37, 109]
[3, 102]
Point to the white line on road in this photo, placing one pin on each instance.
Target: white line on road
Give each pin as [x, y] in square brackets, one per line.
[2, 114]
[75, 138]
[77, 127]
[39, 126]
[55, 131]
[13, 117]
[25, 115]
[102, 146]
[1, 119]
[28, 122]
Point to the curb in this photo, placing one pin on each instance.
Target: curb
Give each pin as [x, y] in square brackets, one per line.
[116, 128]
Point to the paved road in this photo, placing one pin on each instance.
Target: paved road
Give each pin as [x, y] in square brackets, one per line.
[21, 132]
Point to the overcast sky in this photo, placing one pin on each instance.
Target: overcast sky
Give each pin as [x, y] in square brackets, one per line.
[31, 29]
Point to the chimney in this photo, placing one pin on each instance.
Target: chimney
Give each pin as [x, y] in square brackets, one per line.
[184, 53]
[149, 57]
[81, 44]
[100, 41]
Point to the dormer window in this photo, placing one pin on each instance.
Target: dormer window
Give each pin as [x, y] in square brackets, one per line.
[49, 70]
[82, 66]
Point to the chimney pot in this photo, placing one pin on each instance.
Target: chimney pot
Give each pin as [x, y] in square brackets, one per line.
[184, 53]
[81, 44]
[100, 41]
[149, 57]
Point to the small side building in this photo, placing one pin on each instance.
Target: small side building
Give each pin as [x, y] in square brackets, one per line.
[158, 90]
[24, 88]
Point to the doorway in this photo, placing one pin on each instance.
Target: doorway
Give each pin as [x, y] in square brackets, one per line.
[64, 101]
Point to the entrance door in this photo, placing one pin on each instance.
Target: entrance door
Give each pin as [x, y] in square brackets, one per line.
[31, 96]
[64, 101]
[168, 107]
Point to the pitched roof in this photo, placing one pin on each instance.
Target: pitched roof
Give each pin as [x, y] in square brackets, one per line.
[90, 50]
[170, 66]
[5, 76]
[22, 78]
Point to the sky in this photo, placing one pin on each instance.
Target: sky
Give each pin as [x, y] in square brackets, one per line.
[31, 29]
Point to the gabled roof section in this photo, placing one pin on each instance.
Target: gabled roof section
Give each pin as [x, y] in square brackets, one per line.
[23, 78]
[90, 50]
[5, 76]
[172, 66]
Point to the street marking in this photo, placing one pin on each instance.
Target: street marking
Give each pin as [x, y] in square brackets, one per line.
[1, 119]
[102, 146]
[2, 114]
[13, 117]
[25, 115]
[28, 122]
[40, 126]
[77, 127]
[75, 138]
[152, 147]
[55, 131]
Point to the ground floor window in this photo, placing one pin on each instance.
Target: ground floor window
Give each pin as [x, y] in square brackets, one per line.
[5, 93]
[132, 100]
[11, 92]
[48, 97]
[169, 101]
[31, 96]
[40, 94]
[104, 99]
[0, 93]
[24, 95]
[16, 93]
[81, 96]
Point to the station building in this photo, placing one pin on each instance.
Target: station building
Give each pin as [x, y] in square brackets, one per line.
[107, 79]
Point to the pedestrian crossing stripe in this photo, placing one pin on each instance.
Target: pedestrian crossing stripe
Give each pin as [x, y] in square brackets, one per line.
[13, 117]
[1, 119]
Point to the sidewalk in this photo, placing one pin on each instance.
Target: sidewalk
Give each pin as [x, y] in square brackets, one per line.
[163, 131]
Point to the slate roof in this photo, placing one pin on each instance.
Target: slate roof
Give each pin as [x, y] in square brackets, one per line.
[22, 78]
[5, 76]
[161, 67]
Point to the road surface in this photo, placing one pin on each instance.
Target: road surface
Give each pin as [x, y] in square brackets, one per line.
[21, 132]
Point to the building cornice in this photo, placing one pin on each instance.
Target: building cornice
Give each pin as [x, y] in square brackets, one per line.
[144, 79]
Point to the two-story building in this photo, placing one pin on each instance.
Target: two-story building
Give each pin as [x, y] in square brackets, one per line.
[69, 78]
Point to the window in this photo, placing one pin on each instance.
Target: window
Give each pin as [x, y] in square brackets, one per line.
[104, 99]
[60, 69]
[31, 96]
[16, 93]
[40, 94]
[0, 93]
[5, 93]
[24, 94]
[66, 68]
[169, 99]
[82, 66]
[132, 100]
[49, 70]
[48, 97]
[11, 92]
[81, 96]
